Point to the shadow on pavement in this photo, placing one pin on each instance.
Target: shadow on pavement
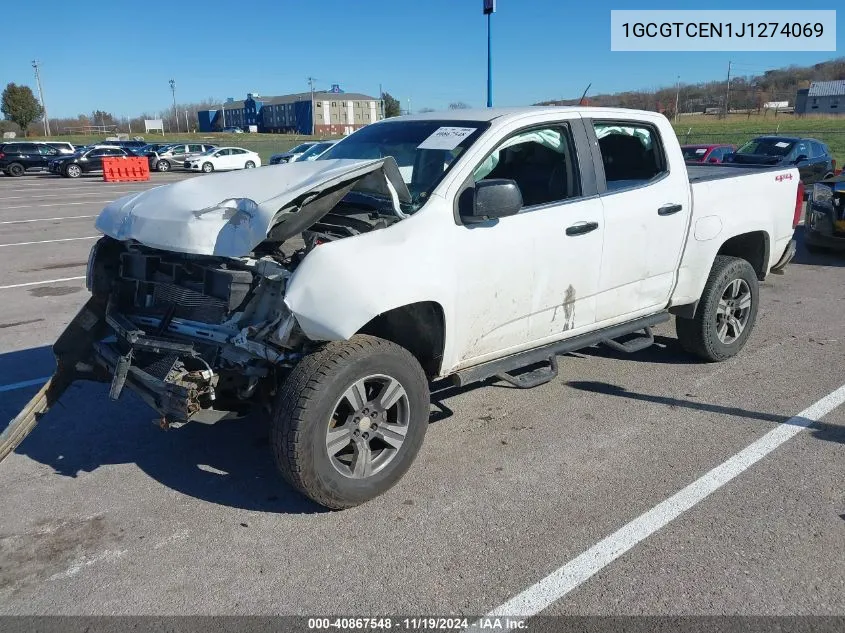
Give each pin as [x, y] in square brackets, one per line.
[228, 463]
[806, 258]
[819, 430]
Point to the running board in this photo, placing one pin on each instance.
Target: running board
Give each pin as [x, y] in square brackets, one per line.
[546, 352]
[533, 378]
[635, 344]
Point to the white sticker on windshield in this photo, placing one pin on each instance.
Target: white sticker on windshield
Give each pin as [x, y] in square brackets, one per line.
[446, 138]
[781, 144]
[703, 150]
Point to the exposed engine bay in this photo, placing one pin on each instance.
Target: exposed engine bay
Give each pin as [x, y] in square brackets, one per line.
[197, 337]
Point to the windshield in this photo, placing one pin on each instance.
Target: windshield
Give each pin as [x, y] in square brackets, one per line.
[694, 153]
[767, 147]
[315, 151]
[424, 150]
[301, 148]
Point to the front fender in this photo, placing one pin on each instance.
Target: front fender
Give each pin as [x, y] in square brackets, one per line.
[341, 286]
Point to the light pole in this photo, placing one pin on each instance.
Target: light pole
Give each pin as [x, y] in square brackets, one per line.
[677, 98]
[223, 106]
[489, 10]
[41, 97]
[175, 112]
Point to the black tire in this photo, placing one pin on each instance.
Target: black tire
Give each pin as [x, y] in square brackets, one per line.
[162, 166]
[72, 171]
[249, 165]
[305, 409]
[207, 168]
[15, 170]
[699, 335]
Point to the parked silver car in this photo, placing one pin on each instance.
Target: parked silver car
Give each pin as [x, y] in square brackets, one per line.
[177, 154]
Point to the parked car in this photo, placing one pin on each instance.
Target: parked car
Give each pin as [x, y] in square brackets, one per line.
[64, 148]
[222, 159]
[151, 147]
[232, 130]
[131, 145]
[314, 152]
[176, 154]
[811, 157]
[18, 158]
[824, 226]
[90, 160]
[290, 155]
[196, 307]
[706, 153]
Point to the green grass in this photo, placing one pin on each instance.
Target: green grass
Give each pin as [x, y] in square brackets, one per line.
[264, 144]
[739, 128]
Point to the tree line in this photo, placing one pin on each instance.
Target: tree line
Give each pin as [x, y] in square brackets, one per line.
[747, 92]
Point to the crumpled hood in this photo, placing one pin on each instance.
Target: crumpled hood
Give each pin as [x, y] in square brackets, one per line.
[229, 214]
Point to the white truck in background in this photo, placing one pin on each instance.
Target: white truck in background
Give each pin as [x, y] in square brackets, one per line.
[331, 293]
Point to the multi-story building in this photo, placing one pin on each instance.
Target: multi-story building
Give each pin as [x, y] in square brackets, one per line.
[323, 113]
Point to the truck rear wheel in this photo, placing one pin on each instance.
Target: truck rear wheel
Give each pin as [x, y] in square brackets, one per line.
[726, 312]
[349, 420]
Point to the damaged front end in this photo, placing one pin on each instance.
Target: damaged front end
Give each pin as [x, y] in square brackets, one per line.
[197, 333]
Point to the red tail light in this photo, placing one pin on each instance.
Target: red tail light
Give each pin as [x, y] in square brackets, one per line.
[2, 155]
[799, 205]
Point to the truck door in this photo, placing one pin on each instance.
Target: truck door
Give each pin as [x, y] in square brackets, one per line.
[550, 250]
[647, 208]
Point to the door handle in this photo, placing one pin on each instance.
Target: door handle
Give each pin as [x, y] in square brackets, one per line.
[582, 228]
[669, 209]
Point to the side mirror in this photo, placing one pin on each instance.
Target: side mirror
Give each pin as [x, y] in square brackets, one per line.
[491, 199]
[801, 159]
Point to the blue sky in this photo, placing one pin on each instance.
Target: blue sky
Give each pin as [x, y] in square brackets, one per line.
[118, 56]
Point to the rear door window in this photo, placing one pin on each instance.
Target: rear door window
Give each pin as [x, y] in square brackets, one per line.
[631, 154]
[28, 148]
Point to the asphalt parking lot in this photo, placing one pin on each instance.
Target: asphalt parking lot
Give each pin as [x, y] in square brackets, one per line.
[105, 513]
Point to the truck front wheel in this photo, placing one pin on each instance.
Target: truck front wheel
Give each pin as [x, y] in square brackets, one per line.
[349, 420]
[726, 312]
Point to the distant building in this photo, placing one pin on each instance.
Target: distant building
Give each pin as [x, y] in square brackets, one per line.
[332, 112]
[822, 97]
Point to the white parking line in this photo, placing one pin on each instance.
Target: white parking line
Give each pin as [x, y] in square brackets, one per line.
[41, 283]
[64, 239]
[581, 568]
[67, 217]
[61, 195]
[23, 384]
[58, 204]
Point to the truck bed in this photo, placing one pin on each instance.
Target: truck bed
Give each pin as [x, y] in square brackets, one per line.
[702, 173]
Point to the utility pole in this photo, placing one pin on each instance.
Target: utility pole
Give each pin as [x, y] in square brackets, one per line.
[409, 105]
[728, 92]
[489, 10]
[187, 125]
[41, 97]
[677, 98]
[175, 111]
[311, 81]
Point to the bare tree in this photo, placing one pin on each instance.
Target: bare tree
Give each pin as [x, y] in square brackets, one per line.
[459, 105]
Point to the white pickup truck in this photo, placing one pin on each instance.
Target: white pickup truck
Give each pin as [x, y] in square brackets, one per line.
[330, 294]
